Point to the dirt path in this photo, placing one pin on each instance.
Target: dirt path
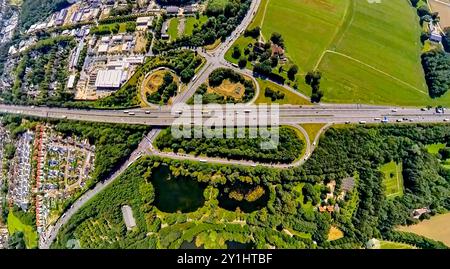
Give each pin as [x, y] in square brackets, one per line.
[181, 26]
[339, 32]
[376, 69]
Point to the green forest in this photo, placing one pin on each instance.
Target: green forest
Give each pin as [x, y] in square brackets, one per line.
[289, 147]
[287, 199]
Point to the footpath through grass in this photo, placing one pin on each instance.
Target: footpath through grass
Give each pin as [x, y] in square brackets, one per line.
[289, 97]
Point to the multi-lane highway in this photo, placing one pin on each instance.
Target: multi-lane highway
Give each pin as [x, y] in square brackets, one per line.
[288, 114]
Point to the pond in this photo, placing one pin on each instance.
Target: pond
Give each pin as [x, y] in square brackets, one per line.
[190, 245]
[228, 203]
[176, 194]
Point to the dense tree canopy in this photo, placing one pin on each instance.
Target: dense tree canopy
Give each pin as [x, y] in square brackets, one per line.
[436, 65]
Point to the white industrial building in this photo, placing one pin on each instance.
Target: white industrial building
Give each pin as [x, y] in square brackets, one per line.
[110, 80]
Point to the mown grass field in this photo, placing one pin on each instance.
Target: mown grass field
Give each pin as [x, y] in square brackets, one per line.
[436, 228]
[393, 179]
[312, 129]
[289, 97]
[172, 31]
[30, 235]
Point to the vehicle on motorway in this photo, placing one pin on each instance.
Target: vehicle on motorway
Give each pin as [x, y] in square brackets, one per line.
[194, 78]
[147, 112]
[439, 110]
[64, 117]
[362, 122]
[423, 109]
[399, 120]
[126, 111]
[235, 65]
[377, 119]
[203, 160]
[131, 113]
[411, 120]
[347, 122]
[446, 119]
[394, 110]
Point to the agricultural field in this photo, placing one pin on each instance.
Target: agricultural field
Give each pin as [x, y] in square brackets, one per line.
[30, 235]
[289, 97]
[229, 89]
[436, 228]
[393, 179]
[308, 27]
[444, 11]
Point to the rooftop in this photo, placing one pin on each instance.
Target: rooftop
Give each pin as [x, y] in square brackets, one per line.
[109, 79]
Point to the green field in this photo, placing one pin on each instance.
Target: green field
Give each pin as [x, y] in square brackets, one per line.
[307, 27]
[172, 31]
[191, 22]
[393, 179]
[217, 4]
[312, 129]
[434, 148]
[242, 42]
[308, 207]
[289, 97]
[394, 245]
[30, 235]
[368, 53]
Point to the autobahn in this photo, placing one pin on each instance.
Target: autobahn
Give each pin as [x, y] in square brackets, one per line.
[288, 114]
